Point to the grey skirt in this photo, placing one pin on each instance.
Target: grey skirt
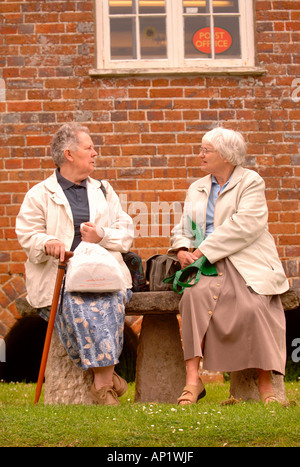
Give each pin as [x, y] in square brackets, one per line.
[230, 326]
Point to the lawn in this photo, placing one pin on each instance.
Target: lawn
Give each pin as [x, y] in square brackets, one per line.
[208, 423]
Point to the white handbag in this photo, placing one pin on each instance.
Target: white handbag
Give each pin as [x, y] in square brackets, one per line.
[93, 269]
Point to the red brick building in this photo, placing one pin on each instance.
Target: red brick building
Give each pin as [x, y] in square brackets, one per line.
[148, 97]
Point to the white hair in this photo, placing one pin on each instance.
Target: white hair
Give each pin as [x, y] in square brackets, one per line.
[229, 144]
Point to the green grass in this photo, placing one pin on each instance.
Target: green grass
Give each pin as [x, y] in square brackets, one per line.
[208, 423]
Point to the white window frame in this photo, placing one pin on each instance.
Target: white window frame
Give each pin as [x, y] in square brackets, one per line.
[175, 63]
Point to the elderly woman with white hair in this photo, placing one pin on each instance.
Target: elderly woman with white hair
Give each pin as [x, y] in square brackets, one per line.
[233, 320]
[56, 215]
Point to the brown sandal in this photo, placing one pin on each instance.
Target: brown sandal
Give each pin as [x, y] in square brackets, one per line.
[268, 397]
[104, 396]
[120, 386]
[192, 393]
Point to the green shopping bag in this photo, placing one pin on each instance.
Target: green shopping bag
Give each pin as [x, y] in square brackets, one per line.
[190, 275]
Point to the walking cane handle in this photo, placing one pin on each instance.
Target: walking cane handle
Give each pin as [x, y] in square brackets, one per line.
[68, 255]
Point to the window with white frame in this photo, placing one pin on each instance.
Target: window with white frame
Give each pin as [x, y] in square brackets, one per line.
[144, 36]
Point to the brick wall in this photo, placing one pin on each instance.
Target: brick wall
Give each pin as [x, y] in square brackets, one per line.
[147, 130]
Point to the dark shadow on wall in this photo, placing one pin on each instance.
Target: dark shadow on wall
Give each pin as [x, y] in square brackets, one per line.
[24, 348]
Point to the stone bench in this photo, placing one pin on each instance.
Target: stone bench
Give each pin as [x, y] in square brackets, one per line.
[160, 367]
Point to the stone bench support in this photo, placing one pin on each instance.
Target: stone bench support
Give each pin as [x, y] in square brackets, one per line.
[244, 385]
[65, 383]
[160, 367]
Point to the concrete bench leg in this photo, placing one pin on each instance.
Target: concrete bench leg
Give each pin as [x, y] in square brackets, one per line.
[65, 383]
[160, 367]
[243, 385]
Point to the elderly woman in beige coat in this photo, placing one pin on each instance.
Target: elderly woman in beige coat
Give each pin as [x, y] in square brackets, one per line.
[235, 320]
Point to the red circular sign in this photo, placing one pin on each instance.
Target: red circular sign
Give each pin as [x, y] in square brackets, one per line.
[201, 40]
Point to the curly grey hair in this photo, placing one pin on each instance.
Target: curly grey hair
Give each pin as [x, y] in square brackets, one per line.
[230, 144]
[66, 137]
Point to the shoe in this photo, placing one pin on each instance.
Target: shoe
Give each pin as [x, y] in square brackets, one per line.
[120, 386]
[268, 397]
[104, 396]
[192, 393]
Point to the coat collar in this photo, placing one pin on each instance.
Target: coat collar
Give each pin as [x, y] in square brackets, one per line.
[204, 184]
[59, 197]
[53, 186]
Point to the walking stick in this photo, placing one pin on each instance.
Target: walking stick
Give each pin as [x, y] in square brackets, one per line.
[59, 278]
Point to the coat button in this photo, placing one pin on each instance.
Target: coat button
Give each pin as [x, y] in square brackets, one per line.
[210, 312]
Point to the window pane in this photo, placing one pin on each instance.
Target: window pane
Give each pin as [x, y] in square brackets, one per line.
[122, 7]
[151, 6]
[153, 37]
[197, 37]
[226, 6]
[122, 36]
[227, 37]
[196, 6]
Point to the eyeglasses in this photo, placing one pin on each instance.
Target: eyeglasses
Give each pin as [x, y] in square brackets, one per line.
[205, 150]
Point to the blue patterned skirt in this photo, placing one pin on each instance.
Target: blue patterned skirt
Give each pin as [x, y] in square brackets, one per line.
[91, 327]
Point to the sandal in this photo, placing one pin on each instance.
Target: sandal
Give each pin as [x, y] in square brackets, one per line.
[268, 397]
[192, 393]
[104, 396]
[120, 386]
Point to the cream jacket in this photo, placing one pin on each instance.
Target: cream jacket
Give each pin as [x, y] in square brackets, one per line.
[240, 230]
[45, 214]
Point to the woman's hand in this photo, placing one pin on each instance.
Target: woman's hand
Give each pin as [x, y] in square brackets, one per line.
[185, 257]
[89, 233]
[55, 248]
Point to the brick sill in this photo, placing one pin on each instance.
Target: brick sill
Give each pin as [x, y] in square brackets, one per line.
[227, 71]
